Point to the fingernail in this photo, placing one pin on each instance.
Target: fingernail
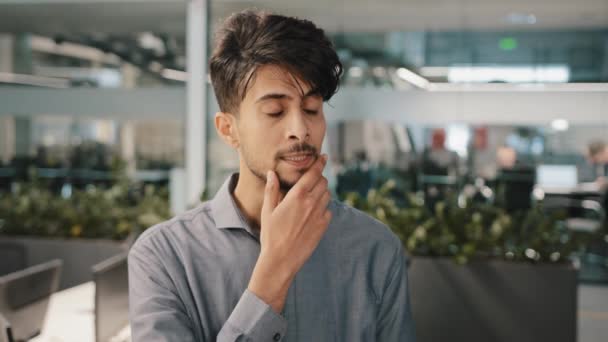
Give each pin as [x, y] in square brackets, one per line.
[269, 177]
[325, 158]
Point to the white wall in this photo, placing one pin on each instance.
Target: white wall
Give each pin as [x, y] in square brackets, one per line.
[476, 107]
[576, 138]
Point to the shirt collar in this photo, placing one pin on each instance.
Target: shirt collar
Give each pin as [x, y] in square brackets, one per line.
[225, 211]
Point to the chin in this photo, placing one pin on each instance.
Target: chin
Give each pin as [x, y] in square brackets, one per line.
[287, 181]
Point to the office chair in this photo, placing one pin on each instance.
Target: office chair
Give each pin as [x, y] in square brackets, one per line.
[25, 296]
[12, 257]
[111, 278]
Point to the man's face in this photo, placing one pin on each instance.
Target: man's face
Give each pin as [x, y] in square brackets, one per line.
[604, 156]
[281, 126]
[600, 157]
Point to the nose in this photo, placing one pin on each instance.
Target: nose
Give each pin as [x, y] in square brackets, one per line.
[297, 127]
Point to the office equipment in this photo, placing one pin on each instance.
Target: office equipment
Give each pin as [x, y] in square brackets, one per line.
[557, 176]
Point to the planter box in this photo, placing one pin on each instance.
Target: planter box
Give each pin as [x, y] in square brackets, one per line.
[78, 255]
[492, 301]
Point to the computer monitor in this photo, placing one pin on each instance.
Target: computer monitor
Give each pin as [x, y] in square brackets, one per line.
[25, 295]
[111, 297]
[557, 176]
[6, 334]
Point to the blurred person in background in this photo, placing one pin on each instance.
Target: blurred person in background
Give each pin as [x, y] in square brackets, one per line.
[598, 159]
[506, 157]
[515, 180]
[271, 257]
[439, 169]
[437, 159]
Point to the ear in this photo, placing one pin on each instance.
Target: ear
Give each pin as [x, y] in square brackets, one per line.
[225, 125]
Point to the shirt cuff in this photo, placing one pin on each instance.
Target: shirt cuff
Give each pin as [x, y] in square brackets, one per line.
[257, 320]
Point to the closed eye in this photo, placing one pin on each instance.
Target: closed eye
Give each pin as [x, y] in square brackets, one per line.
[276, 114]
[310, 111]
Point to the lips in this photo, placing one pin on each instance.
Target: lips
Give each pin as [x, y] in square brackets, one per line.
[298, 160]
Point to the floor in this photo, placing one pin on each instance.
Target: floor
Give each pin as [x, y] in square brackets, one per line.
[593, 313]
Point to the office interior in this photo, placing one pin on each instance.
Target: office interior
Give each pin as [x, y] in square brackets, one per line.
[477, 130]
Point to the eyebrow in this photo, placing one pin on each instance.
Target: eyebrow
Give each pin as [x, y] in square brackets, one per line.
[279, 96]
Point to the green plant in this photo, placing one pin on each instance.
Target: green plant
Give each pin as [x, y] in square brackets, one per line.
[114, 212]
[464, 230]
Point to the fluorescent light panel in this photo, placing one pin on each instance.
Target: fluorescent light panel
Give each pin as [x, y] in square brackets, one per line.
[413, 78]
[509, 74]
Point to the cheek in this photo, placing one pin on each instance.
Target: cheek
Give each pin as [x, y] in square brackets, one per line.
[318, 130]
[260, 138]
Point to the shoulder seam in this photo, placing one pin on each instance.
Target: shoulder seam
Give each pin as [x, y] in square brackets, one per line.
[171, 222]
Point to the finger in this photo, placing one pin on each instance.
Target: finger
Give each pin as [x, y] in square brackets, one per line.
[271, 194]
[321, 177]
[311, 177]
[327, 216]
[319, 188]
[322, 203]
[323, 225]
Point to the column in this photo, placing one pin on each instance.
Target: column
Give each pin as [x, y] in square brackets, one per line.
[196, 93]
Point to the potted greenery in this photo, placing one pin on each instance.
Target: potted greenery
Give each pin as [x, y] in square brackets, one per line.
[478, 273]
[81, 227]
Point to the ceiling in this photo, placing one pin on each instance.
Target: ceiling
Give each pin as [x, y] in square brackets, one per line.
[125, 16]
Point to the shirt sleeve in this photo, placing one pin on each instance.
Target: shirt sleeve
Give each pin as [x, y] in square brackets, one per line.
[395, 322]
[253, 320]
[158, 314]
[155, 310]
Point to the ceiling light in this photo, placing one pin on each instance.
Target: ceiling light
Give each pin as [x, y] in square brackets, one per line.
[355, 71]
[434, 72]
[521, 18]
[413, 78]
[560, 125]
[176, 75]
[509, 74]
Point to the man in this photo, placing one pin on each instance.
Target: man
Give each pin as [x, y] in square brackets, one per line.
[271, 257]
[598, 158]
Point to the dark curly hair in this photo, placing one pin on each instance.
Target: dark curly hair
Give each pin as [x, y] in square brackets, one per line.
[250, 39]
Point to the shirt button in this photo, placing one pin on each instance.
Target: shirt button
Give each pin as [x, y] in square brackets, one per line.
[277, 337]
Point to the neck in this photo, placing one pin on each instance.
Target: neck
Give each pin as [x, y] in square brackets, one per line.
[249, 196]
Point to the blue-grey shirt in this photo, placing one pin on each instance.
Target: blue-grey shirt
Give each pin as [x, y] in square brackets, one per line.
[188, 281]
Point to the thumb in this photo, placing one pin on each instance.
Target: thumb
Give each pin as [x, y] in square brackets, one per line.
[271, 194]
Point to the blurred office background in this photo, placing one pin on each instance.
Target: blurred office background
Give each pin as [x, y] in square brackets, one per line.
[476, 129]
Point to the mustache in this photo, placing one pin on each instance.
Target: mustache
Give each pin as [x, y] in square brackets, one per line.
[298, 148]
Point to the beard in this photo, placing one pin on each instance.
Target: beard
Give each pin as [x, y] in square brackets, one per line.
[255, 165]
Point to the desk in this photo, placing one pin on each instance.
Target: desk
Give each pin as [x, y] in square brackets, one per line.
[70, 316]
[582, 189]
